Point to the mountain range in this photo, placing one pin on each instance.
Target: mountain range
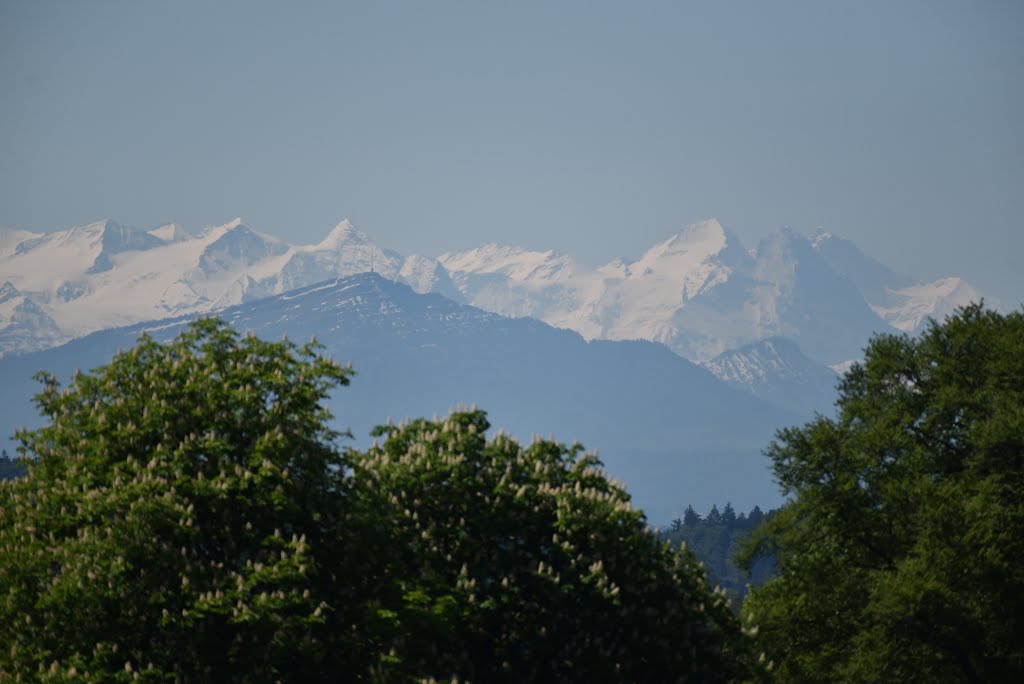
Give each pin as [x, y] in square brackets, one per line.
[700, 292]
[700, 347]
[662, 424]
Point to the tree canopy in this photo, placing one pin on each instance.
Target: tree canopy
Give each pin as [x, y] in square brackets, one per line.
[189, 516]
[715, 541]
[185, 518]
[551, 572]
[899, 553]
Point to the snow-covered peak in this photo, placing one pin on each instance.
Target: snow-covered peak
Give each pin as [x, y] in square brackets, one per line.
[8, 291]
[775, 369]
[708, 235]
[170, 232]
[420, 272]
[693, 261]
[689, 249]
[24, 326]
[235, 246]
[10, 238]
[424, 274]
[214, 231]
[517, 263]
[780, 254]
[820, 238]
[909, 308]
[616, 268]
[87, 235]
[871, 277]
[345, 233]
[698, 291]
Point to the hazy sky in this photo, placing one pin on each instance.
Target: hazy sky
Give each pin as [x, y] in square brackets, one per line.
[589, 127]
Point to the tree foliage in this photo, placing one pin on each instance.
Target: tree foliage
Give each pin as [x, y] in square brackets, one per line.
[10, 468]
[530, 564]
[189, 517]
[715, 544]
[900, 551]
[185, 518]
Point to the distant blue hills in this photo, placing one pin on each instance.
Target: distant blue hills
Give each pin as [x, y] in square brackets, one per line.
[667, 428]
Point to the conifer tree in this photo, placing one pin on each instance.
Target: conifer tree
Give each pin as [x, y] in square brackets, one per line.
[729, 515]
[713, 517]
[691, 517]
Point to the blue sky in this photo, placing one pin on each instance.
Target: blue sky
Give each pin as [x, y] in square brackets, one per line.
[589, 127]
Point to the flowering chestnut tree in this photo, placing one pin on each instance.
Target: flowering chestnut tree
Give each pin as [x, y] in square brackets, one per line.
[184, 519]
[528, 563]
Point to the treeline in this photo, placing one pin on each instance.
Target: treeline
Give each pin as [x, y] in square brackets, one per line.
[716, 538]
[10, 468]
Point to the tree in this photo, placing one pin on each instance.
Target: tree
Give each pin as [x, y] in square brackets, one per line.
[899, 551]
[528, 563]
[755, 517]
[691, 517]
[9, 467]
[728, 515]
[715, 545]
[713, 517]
[189, 517]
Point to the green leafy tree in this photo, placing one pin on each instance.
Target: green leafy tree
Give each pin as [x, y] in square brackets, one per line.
[899, 554]
[187, 519]
[528, 563]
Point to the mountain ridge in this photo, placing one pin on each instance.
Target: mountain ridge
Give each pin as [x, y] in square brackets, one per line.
[700, 291]
[656, 418]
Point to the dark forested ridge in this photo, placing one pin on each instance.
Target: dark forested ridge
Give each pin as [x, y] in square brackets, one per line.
[715, 539]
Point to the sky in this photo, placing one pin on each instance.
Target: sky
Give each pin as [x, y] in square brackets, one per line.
[594, 128]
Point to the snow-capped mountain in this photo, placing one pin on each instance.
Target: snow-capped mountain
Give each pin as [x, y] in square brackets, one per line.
[619, 300]
[103, 274]
[909, 308]
[23, 325]
[659, 421]
[516, 282]
[701, 292]
[774, 369]
[896, 299]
